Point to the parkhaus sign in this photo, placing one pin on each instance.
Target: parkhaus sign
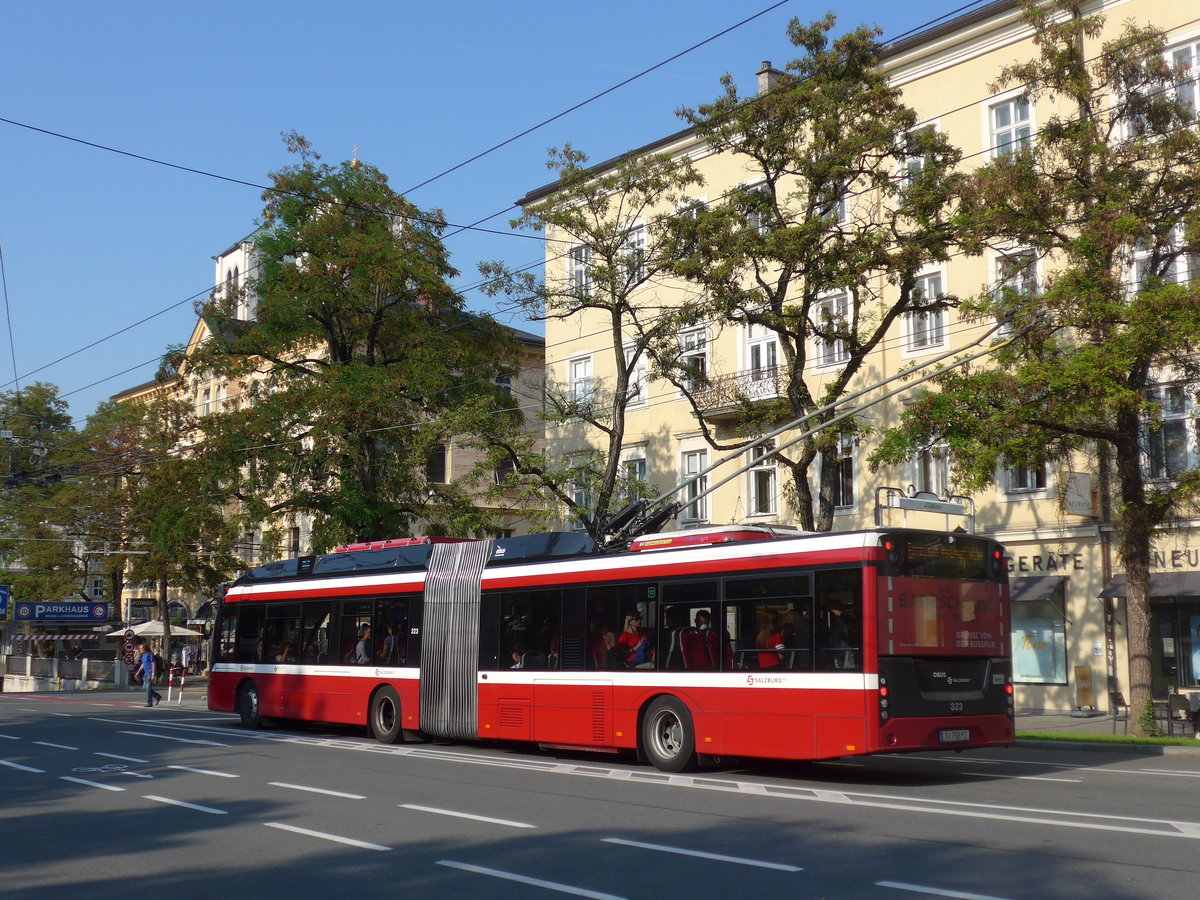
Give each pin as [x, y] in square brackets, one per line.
[60, 612]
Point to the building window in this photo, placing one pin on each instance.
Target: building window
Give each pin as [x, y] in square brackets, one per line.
[206, 402]
[756, 199]
[579, 488]
[579, 269]
[1170, 441]
[97, 587]
[635, 474]
[506, 469]
[1025, 479]
[763, 481]
[762, 347]
[1011, 127]
[1015, 282]
[693, 357]
[926, 327]
[294, 541]
[832, 314]
[435, 465]
[634, 256]
[914, 160]
[1039, 640]
[843, 484]
[832, 204]
[931, 470]
[1186, 89]
[636, 394]
[581, 383]
[696, 507]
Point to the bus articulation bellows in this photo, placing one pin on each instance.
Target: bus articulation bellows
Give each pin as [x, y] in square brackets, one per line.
[732, 641]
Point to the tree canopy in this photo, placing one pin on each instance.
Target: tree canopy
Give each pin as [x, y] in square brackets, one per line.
[357, 366]
[844, 201]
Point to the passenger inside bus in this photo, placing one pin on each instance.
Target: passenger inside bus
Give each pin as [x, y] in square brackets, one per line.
[770, 638]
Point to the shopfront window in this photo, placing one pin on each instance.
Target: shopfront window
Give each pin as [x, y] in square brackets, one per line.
[1176, 646]
[1039, 640]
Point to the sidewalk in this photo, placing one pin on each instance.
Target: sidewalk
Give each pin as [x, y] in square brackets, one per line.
[1066, 724]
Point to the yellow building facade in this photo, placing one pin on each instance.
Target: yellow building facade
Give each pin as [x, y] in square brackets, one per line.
[1068, 610]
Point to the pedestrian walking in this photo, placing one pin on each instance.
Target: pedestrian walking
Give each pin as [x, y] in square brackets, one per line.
[149, 671]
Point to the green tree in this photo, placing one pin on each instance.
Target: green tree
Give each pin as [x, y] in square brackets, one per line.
[358, 365]
[151, 507]
[609, 228]
[1107, 193]
[41, 527]
[844, 202]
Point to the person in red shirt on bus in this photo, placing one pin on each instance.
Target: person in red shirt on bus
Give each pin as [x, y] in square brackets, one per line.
[633, 639]
[769, 638]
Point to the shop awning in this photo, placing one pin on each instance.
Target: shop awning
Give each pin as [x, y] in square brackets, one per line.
[1036, 587]
[1162, 584]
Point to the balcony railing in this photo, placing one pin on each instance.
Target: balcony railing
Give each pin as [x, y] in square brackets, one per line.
[721, 396]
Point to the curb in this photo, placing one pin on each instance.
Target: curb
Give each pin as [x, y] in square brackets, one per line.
[1143, 749]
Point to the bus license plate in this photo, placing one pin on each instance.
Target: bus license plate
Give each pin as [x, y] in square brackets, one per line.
[954, 735]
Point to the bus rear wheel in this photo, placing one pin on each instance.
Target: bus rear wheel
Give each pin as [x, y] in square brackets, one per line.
[385, 716]
[248, 706]
[668, 739]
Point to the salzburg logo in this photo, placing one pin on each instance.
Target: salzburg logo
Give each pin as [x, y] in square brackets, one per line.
[99, 612]
[24, 612]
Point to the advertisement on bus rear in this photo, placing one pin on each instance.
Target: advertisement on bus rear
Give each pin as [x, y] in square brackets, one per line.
[933, 617]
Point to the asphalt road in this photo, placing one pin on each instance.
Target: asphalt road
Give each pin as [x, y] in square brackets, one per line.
[100, 797]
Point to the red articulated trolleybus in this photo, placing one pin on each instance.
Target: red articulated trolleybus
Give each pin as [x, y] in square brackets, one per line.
[730, 641]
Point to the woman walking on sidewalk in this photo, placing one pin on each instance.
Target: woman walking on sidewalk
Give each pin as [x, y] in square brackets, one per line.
[147, 667]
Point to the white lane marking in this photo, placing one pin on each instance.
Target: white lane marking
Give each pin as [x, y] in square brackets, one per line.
[463, 815]
[169, 737]
[9, 737]
[95, 784]
[316, 790]
[205, 772]
[19, 767]
[1048, 778]
[198, 808]
[27, 709]
[525, 879]
[336, 838]
[56, 746]
[937, 892]
[119, 756]
[718, 857]
[64, 715]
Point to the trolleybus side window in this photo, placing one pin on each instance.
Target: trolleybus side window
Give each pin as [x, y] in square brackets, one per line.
[692, 632]
[281, 636]
[839, 620]
[391, 633]
[227, 635]
[770, 621]
[249, 632]
[621, 623]
[354, 631]
[314, 633]
[532, 637]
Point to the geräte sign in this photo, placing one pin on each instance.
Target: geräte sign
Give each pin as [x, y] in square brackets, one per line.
[60, 612]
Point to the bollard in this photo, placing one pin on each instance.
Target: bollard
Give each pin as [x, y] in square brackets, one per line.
[182, 679]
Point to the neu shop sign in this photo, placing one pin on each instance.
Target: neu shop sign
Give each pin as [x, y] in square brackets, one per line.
[60, 612]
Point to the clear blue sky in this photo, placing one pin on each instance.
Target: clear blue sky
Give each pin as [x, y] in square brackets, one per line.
[94, 242]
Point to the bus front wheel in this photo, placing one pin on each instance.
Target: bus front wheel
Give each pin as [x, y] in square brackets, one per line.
[248, 706]
[385, 716]
[668, 739]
